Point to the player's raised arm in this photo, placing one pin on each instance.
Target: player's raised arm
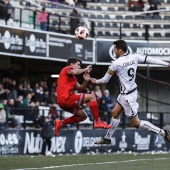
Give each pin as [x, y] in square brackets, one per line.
[77, 71]
[105, 79]
[151, 60]
[81, 87]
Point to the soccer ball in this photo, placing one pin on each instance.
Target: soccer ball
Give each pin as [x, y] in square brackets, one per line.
[81, 32]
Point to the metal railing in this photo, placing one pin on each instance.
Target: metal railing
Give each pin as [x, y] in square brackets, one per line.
[159, 119]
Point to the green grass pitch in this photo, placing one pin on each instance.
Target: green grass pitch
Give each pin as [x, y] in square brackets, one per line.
[87, 162]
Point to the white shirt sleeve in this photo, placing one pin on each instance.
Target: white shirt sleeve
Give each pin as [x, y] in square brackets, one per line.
[113, 65]
[108, 75]
[105, 79]
[150, 60]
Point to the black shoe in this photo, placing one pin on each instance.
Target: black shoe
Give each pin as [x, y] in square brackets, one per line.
[103, 141]
[167, 135]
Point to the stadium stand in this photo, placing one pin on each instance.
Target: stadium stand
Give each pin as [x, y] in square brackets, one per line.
[103, 13]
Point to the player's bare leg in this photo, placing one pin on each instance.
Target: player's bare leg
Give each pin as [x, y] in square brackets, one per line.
[114, 124]
[150, 127]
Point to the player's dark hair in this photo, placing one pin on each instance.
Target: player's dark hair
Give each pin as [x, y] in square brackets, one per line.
[43, 9]
[73, 60]
[121, 44]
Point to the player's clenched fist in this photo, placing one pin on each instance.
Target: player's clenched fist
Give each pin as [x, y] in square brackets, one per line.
[89, 68]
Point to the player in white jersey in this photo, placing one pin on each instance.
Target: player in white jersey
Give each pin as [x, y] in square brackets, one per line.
[125, 68]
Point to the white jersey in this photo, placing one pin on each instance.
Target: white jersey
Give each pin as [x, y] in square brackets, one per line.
[126, 67]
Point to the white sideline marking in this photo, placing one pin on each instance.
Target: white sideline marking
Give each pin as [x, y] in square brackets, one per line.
[100, 163]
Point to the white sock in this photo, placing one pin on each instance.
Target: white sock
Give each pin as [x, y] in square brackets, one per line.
[114, 124]
[150, 127]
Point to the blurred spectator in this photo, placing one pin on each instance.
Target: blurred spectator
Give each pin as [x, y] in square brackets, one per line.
[84, 3]
[28, 5]
[3, 92]
[5, 103]
[47, 134]
[15, 122]
[134, 5]
[28, 89]
[43, 18]
[108, 100]
[70, 2]
[90, 86]
[88, 111]
[2, 9]
[103, 109]
[9, 11]
[19, 105]
[30, 111]
[32, 114]
[39, 96]
[36, 89]
[21, 90]
[53, 112]
[11, 108]
[2, 114]
[98, 93]
[11, 112]
[6, 82]
[87, 90]
[53, 97]
[13, 90]
[3, 117]
[85, 22]
[19, 102]
[41, 83]
[75, 21]
[44, 85]
[53, 87]
[39, 120]
[144, 5]
[27, 100]
[154, 5]
[47, 98]
[53, 93]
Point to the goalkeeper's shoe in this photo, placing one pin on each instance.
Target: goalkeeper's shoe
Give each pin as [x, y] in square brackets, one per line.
[57, 126]
[103, 141]
[101, 125]
[167, 135]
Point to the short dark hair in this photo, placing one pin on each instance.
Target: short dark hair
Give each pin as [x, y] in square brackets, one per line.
[73, 60]
[43, 9]
[121, 44]
[46, 117]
